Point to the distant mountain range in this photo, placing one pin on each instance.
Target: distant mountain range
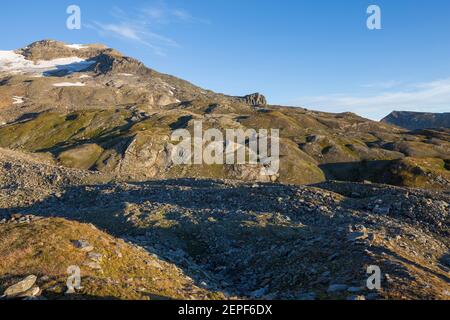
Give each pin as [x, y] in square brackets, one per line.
[418, 120]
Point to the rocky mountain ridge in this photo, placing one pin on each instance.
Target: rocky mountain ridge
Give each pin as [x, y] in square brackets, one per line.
[418, 120]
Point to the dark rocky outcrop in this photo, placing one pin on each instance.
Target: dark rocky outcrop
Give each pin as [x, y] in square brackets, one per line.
[255, 99]
[114, 63]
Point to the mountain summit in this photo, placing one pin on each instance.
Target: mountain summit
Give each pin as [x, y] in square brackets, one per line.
[109, 77]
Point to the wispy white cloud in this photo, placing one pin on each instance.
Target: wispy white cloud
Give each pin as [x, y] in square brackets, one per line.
[131, 32]
[432, 96]
[383, 85]
[139, 26]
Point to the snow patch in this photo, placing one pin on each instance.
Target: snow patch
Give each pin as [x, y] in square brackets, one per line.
[165, 84]
[18, 100]
[17, 64]
[126, 74]
[69, 84]
[76, 46]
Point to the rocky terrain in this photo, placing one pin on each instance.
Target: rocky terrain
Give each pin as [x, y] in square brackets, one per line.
[222, 239]
[86, 179]
[418, 120]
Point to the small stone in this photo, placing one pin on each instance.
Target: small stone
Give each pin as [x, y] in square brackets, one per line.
[44, 278]
[388, 278]
[83, 245]
[93, 265]
[97, 257]
[154, 264]
[20, 287]
[24, 220]
[337, 288]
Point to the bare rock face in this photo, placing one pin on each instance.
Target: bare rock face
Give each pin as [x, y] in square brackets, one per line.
[255, 99]
[110, 62]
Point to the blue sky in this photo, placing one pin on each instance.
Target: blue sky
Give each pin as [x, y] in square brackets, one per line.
[312, 53]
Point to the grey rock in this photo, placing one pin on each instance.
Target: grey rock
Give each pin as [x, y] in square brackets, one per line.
[93, 265]
[96, 257]
[44, 278]
[118, 254]
[83, 245]
[21, 287]
[154, 264]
